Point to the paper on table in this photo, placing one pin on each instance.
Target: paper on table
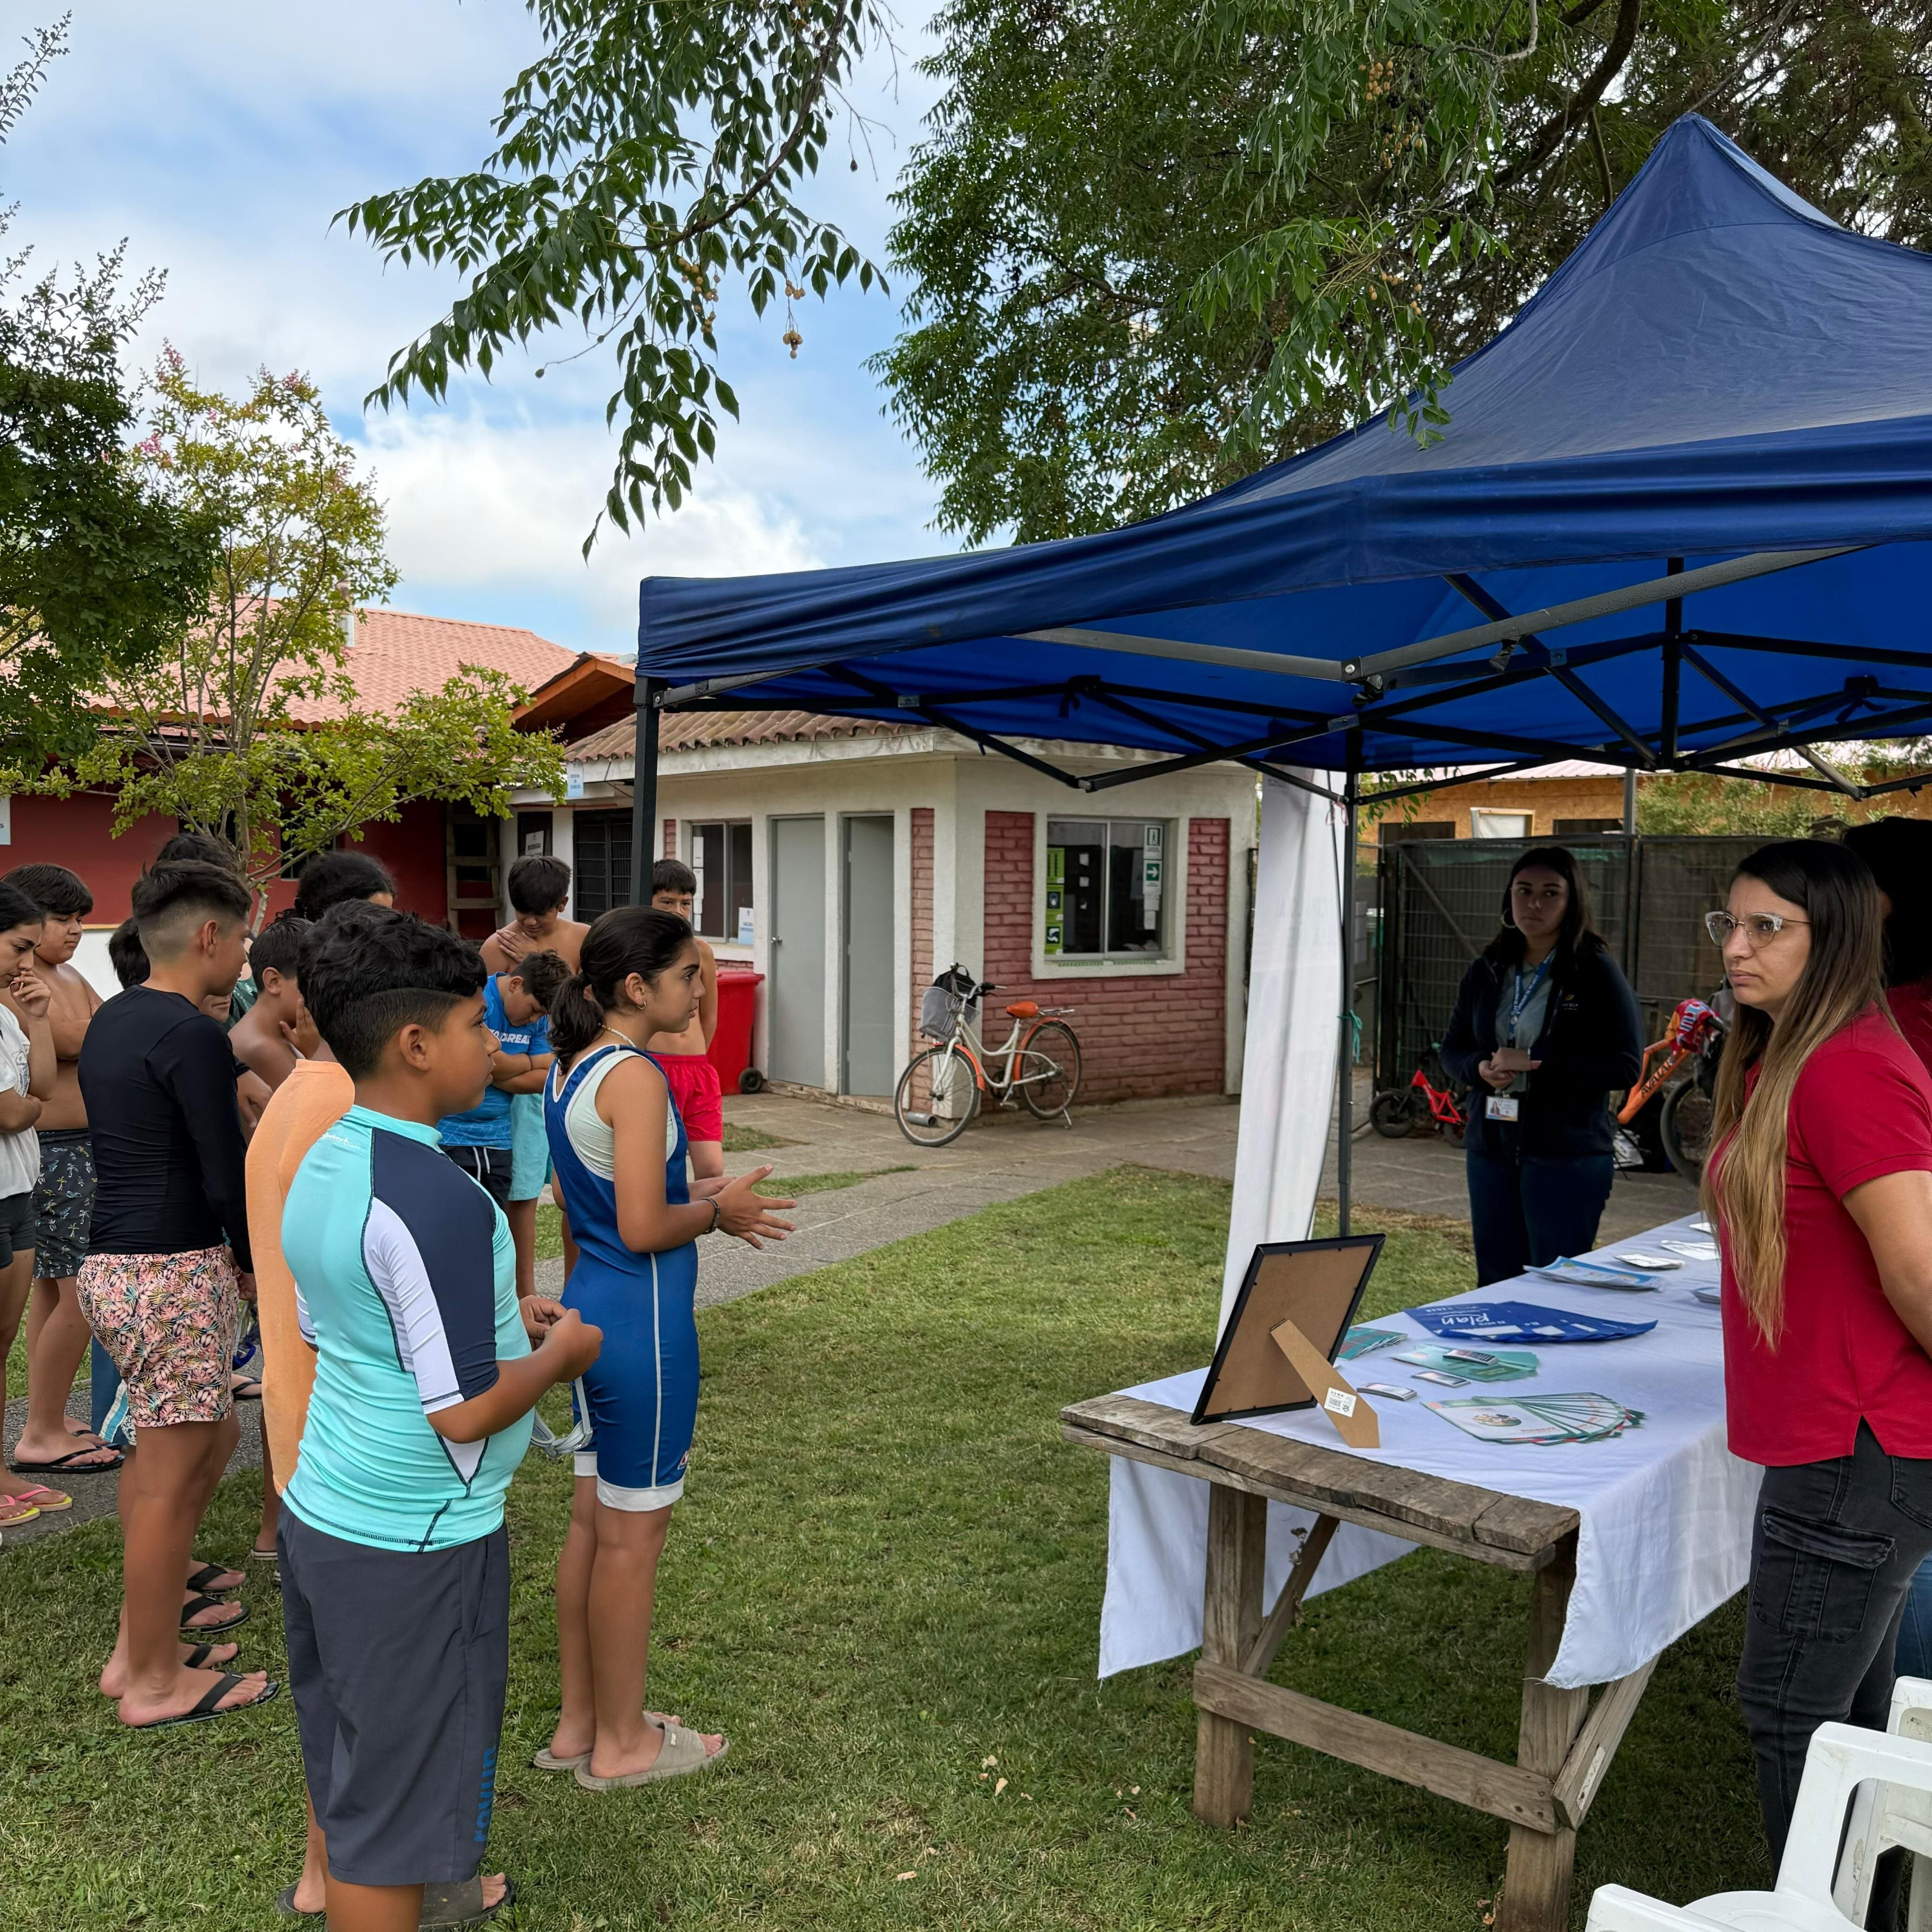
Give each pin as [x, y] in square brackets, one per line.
[1665, 1510]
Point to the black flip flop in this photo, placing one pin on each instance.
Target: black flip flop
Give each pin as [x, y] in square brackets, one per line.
[438, 1900]
[200, 1580]
[71, 1464]
[195, 1606]
[248, 1382]
[461, 1903]
[199, 1655]
[210, 1701]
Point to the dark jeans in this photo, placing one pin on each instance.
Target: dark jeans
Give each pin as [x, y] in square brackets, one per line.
[1915, 1633]
[1526, 1210]
[1833, 1554]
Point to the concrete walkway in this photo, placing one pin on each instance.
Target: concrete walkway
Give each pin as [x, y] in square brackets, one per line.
[917, 1189]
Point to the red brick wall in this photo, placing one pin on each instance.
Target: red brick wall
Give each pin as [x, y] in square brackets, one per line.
[669, 850]
[1140, 1037]
[922, 967]
[77, 832]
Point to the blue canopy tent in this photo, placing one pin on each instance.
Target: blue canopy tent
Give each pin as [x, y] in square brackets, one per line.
[1676, 517]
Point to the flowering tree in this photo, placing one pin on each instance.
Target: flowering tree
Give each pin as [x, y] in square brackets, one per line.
[247, 724]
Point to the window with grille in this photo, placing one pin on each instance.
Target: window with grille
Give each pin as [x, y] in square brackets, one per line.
[1106, 887]
[601, 862]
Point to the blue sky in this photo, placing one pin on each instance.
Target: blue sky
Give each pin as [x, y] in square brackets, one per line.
[219, 138]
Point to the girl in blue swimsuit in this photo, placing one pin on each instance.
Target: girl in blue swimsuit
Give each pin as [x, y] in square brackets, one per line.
[619, 1150]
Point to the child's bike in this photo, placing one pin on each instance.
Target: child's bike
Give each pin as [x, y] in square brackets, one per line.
[1037, 1063]
[1397, 1111]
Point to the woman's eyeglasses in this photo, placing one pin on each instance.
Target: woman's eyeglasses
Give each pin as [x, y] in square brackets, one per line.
[1760, 928]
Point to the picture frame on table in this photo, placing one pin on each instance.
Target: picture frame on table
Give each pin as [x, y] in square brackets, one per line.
[1317, 1286]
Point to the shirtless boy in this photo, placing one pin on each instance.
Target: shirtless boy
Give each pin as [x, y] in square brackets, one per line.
[57, 1331]
[691, 1077]
[267, 1038]
[539, 889]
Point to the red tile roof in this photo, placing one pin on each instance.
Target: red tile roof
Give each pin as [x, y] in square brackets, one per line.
[690, 731]
[396, 654]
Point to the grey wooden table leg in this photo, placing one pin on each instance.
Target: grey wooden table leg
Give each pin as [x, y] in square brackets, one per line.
[1536, 1886]
[1230, 1620]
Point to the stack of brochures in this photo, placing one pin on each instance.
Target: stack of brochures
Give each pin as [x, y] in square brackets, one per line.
[1594, 1274]
[1359, 1342]
[1486, 1321]
[1469, 1365]
[1540, 1419]
[1692, 1250]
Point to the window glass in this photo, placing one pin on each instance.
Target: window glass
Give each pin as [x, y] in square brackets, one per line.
[1106, 891]
[721, 855]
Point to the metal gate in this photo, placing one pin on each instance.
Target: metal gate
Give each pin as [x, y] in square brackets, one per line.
[1441, 903]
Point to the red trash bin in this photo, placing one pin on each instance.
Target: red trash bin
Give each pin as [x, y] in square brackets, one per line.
[731, 1044]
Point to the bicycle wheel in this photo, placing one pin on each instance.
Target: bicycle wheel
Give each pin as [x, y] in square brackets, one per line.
[1389, 1114]
[936, 1098]
[1684, 1128]
[1048, 1073]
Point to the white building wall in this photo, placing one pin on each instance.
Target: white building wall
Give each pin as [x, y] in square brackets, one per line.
[841, 777]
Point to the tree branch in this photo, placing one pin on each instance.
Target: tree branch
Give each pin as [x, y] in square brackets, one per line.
[1552, 134]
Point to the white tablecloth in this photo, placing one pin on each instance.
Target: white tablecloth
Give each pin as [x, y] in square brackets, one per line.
[1665, 1509]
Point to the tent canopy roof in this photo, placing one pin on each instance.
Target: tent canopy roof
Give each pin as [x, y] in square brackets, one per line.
[1720, 372]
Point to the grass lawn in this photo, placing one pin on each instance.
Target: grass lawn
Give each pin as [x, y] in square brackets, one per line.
[549, 1222]
[885, 1584]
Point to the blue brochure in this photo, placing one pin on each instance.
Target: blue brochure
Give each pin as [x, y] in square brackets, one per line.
[1521, 1322]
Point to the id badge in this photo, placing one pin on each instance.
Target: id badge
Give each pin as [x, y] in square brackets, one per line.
[1502, 1107]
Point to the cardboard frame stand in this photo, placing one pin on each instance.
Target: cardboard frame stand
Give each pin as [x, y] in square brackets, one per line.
[1297, 1302]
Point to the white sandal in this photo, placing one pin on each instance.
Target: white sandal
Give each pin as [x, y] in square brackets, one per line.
[547, 1759]
[681, 1752]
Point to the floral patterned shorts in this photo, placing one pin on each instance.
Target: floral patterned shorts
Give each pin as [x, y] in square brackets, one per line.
[169, 1322]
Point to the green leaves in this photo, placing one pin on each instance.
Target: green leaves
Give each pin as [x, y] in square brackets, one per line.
[645, 167]
[1156, 243]
[98, 568]
[248, 722]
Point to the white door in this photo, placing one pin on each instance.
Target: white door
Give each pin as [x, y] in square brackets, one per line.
[795, 1013]
[869, 953]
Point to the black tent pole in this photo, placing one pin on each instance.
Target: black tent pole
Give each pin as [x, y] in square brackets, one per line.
[1345, 1053]
[644, 789]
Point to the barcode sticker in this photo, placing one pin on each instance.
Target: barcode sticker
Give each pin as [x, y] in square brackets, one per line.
[1340, 1401]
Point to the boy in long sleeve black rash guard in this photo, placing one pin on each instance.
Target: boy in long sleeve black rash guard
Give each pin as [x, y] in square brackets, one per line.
[168, 1266]
[159, 1081]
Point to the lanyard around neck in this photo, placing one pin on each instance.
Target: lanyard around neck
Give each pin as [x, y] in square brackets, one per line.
[1525, 992]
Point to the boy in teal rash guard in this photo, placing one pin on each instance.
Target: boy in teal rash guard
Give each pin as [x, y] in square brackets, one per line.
[393, 1562]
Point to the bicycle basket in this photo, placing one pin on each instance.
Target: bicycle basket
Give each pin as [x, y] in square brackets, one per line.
[946, 1000]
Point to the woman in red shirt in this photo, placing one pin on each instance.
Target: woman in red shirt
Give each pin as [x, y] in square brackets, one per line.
[1821, 1192]
[1899, 851]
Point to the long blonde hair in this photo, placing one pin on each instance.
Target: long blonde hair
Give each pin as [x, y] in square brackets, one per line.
[1743, 1190]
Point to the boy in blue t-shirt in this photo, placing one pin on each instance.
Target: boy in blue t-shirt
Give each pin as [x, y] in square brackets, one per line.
[483, 1140]
[395, 1566]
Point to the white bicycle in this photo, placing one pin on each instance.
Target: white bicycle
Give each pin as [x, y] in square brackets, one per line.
[1037, 1064]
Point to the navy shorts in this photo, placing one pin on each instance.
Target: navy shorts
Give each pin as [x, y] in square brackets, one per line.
[489, 1167]
[397, 1663]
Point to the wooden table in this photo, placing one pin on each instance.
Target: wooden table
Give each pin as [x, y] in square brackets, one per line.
[1565, 1743]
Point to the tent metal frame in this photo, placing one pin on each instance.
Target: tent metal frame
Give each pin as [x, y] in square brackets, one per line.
[1419, 672]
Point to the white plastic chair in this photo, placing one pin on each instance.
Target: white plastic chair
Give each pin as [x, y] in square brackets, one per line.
[1842, 1758]
[1911, 1717]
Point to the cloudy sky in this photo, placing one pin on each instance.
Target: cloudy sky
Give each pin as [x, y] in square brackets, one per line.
[220, 137]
